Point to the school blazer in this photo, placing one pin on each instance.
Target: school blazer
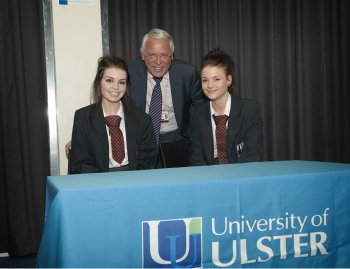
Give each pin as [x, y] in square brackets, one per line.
[244, 133]
[90, 146]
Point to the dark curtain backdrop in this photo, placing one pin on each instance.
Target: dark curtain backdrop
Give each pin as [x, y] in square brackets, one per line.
[292, 56]
[24, 138]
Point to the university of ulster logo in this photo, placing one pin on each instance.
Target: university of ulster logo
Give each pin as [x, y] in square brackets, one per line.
[173, 243]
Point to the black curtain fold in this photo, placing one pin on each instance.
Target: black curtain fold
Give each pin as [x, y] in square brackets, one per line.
[24, 133]
[292, 56]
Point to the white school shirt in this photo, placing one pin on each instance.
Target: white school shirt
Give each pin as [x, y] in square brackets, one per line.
[213, 125]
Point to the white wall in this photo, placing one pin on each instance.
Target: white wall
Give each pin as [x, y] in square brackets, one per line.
[78, 45]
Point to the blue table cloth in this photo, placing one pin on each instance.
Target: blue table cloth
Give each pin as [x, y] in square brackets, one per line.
[268, 214]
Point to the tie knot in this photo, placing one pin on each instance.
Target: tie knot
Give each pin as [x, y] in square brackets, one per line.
[113, 120]
[157, 80]
[220, 120]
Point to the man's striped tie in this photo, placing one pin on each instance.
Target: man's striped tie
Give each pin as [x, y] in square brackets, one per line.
[155, 108]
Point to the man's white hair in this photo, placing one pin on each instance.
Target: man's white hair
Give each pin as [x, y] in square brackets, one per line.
[160, 34]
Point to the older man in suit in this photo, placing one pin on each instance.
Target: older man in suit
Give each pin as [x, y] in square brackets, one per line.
[164, 87]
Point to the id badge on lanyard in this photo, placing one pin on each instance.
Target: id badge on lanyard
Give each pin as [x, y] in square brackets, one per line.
[165, 116]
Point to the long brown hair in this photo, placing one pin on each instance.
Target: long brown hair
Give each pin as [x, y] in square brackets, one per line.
[105, 62]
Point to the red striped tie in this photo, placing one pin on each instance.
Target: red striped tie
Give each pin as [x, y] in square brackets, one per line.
[117, 139]
[221, 133]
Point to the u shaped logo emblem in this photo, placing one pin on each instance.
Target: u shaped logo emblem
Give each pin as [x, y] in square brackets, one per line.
[172, 243]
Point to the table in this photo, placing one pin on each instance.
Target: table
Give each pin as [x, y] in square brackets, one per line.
[267, 214]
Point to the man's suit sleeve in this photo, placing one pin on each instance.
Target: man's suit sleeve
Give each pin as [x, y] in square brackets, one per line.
[196, 90]
[196, 155]
[147, 149]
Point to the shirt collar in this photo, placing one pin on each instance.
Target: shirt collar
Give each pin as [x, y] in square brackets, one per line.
[227, 107]
[120, 112]
[150, 77]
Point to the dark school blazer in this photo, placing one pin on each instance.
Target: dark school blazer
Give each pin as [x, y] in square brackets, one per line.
[90, 146]
[185, 89]
[244, 133]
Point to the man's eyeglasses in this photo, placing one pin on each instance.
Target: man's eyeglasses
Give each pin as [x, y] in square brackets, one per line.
[154, 56]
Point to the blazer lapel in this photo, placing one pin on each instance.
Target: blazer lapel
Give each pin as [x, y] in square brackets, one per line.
[176, 93]
[234, 124]
[97, 121]
[131, 143]
[143, 85]
[139, 85]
